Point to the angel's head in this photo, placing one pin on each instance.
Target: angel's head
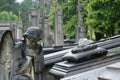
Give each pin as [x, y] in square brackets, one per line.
[32, 35]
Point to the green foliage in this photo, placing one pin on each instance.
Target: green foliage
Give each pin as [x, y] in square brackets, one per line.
[70, 16]
[69, 8]
[51, 14]
[9, 5]
[102, 15]
[25, 6]
[7, 16]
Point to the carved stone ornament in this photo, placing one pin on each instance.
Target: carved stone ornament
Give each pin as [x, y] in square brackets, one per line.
[86, 52]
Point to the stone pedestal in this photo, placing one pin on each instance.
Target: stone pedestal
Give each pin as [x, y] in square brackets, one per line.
[85, 70]
[80, 32]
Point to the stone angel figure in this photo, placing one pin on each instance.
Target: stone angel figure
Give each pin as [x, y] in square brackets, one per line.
[22, 60]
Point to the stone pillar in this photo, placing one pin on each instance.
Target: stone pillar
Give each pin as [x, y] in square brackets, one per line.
[91, 33]
[39, 14]
[19, 30]
[39, 19]
[58, 28]
[81, 33]
[33, 17]
[77, 32]
[47, 36]
[14, 30]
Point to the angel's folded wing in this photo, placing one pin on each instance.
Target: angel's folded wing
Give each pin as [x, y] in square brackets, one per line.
[6, 52]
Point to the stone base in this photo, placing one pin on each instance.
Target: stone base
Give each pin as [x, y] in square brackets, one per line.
[66, 69]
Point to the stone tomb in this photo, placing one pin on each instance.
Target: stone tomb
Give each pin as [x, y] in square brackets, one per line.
[89, 69]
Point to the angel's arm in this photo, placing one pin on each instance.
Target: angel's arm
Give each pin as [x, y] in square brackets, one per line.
[39, 60]
[25, 65]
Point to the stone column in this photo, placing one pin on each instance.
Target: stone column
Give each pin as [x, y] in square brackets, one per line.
[33, 17]
[39, 18]
[58, 28]
[77, 33]
[39, 14]
[47, 36]
[81, 33]
[19, 30]
[91, 33]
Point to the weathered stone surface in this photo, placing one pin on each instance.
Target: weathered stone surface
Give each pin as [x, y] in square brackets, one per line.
[18, 59]
[84, 41]
[103, 73]
[54, 57]
[78, 71]
[112, 72]
[6, 55]
[114, 51]
[88, 75]
[108, 43]
[80, 56]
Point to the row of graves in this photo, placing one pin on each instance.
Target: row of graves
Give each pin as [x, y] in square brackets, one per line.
[87, 60]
